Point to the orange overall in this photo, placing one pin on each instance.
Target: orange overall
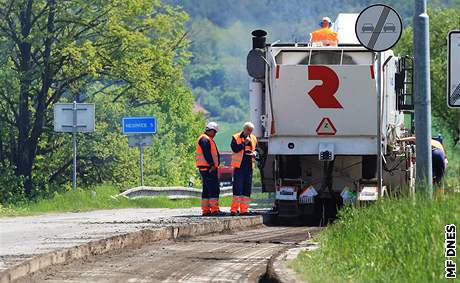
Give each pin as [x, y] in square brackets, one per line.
[242, 175]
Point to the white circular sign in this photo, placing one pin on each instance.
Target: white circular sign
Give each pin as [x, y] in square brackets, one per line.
[378, 27]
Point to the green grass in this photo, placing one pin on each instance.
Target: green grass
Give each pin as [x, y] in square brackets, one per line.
[393, 240]
[102, 197]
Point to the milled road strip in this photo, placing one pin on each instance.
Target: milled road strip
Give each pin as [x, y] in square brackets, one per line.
[32, 243]
[277, 269]
[238, 256]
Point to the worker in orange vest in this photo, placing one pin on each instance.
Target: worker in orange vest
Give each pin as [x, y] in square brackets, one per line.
[243, 146]
[207, 161]
[324, 36]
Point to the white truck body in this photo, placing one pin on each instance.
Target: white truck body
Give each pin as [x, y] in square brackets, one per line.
[310, 101]
[295, 116]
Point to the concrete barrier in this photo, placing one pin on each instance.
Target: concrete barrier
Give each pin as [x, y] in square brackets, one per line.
[127, 240]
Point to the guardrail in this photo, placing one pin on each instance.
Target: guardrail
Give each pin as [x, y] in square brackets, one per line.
[175, 192]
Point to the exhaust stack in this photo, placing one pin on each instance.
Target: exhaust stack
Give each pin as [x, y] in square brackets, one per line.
[255, 61]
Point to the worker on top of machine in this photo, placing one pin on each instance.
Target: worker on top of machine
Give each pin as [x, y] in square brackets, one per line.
[243, 160]
[207, 161]
[324, 36]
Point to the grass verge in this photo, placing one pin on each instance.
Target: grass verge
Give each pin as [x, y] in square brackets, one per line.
[102, 197]
[394, 240]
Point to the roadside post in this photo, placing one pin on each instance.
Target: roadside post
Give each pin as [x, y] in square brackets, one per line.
[453, 73]
[378, 28]
[73, 118]
[453, 69]
[422, 96]
[139, 131]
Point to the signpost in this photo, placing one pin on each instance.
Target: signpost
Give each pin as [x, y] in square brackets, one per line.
[378, 28]
[453, 69]
[72, 118]
[139, 131]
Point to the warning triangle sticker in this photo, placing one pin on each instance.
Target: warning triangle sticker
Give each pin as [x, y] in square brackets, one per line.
[326, 128]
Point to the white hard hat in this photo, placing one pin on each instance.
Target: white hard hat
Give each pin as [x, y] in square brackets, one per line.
[326, 19]
[212, 126]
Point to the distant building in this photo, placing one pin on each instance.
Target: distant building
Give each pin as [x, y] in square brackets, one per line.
[197, 108]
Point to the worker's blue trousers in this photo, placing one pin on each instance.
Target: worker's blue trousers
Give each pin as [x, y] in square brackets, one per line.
[438, 165]
[211, 191]
[242, 182]
[211, 187]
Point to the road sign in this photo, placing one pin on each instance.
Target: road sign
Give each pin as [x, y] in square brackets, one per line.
[136, 140]
[378, 27]
[453, 69]
[139, 125]
[64, 115]
[326, 128]
[74, 117]
[139, 130]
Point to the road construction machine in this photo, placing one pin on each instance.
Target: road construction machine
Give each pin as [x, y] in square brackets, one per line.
[315, 111]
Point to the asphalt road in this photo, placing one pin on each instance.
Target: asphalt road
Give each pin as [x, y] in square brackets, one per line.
[21, 238]
[236, 257]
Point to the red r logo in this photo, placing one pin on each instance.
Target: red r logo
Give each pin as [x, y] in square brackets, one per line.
[323, 95]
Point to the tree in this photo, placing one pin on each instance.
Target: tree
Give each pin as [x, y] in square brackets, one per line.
[442, 20]
[133, 51]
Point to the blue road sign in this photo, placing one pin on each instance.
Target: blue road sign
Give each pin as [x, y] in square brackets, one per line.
[139, 125]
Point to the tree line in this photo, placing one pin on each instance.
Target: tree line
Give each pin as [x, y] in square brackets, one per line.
[127, 57]
[145, 57]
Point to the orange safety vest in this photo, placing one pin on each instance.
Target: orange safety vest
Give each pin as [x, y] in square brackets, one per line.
[200, 160]
[237, 158]
[326, 36]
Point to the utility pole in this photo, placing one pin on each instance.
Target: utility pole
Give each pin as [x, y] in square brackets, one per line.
[422, 98]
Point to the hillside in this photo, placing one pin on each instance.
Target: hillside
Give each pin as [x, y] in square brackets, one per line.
[220, 35]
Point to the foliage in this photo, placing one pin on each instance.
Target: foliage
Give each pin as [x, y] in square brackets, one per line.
[445, 120]
[395, 240]
[125, 56]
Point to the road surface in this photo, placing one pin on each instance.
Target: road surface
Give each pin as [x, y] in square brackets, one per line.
[21, 238]
[236, 257]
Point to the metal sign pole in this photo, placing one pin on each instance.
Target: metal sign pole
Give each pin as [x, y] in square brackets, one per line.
[378, 28]
[379, 122]
[141, 164]
[74, 144]
[422, 98]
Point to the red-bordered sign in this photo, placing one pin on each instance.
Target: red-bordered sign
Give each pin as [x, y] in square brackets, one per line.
[326, 128]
